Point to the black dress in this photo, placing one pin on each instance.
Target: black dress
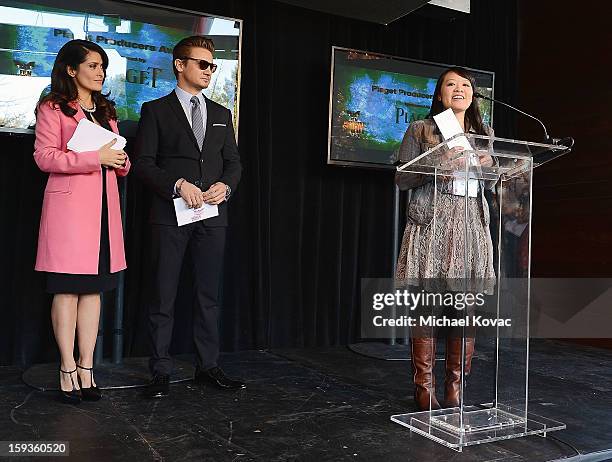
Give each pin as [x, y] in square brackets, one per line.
[66, 283]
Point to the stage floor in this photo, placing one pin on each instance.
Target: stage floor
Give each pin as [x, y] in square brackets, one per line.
[326, 404]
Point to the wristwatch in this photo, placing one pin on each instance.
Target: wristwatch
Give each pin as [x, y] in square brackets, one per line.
[177, 186]
[228, 192]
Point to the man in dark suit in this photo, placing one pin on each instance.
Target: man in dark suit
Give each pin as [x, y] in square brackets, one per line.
[186, 147]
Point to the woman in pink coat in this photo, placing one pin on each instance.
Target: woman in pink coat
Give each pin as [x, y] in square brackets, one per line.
[80, 243]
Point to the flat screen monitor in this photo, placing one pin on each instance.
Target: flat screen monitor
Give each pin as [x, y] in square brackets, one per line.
[137, 37]
[373, 99]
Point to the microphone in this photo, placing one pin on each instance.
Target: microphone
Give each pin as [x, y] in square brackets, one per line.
[568, 142]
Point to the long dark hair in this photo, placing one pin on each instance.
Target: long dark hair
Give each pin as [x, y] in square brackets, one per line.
[473, 118]
[64, 90]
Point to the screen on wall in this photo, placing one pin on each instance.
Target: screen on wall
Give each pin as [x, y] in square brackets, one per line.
[138, 39]
[373, 99]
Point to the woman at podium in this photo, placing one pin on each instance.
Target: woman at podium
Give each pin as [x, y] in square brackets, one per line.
[80, 243]
[434, 251]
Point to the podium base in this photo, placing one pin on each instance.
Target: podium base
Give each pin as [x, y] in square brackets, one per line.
[478, 424]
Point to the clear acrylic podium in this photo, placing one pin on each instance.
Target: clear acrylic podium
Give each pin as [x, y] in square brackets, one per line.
[495, 406]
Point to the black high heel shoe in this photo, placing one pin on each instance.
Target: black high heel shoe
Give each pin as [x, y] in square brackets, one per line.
[70, 397]
[92, 393]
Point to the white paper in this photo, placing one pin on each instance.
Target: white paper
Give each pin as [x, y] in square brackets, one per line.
[185, 215]
[449, 126]
[89, 136]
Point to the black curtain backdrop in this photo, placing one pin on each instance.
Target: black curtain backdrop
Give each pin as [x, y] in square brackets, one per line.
[302, 233]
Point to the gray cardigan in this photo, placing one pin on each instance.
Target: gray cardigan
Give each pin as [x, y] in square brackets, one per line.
[421, 136]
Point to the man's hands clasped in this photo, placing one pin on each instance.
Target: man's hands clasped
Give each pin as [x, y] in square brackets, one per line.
[215, 194]
[194, 197]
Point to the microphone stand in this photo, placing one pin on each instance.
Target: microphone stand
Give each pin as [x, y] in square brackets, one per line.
[556, 141]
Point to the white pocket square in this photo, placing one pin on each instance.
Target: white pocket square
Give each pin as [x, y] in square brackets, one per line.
[219, 125]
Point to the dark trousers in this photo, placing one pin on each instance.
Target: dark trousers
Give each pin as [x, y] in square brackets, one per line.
[206, 247]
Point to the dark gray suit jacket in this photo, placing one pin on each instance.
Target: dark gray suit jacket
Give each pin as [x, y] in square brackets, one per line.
[166, 150]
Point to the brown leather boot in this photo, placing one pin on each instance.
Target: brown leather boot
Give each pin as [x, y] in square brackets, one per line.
[423, 352]
[452, 382]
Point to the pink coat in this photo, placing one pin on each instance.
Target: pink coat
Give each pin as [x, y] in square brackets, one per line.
[69, 237]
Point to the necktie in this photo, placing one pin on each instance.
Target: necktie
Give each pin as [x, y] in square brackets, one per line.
[196, 121]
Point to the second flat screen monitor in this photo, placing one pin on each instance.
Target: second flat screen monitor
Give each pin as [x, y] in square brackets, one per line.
[373, 99]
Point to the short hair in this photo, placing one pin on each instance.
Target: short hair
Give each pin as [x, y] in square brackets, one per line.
[183, 48]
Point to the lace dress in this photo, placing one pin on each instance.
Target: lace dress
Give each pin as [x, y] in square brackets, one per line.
[435, 250]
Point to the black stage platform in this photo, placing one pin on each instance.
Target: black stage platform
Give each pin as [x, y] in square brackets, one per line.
[311, 405]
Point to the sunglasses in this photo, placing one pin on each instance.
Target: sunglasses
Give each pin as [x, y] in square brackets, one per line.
[203, 64]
